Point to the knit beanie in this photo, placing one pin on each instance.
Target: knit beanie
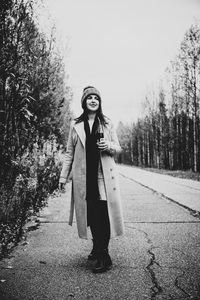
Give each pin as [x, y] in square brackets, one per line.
[89, 90]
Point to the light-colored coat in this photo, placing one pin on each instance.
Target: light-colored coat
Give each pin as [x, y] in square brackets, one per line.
[74, 167]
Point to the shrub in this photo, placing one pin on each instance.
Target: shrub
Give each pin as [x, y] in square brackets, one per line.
[37, 176]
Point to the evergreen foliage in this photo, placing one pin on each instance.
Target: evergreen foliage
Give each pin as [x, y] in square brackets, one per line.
[34, 114]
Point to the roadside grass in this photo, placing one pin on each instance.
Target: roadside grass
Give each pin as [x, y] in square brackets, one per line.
[176, 173]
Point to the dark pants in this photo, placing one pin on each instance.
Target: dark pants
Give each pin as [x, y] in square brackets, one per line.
[98, 220]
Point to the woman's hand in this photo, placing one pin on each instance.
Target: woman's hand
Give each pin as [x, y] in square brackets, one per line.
[61, 186]
[103, 145]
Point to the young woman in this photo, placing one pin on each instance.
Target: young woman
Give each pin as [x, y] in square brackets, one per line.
[89, 161]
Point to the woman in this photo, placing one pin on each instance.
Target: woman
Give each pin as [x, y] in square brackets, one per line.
[90, 163]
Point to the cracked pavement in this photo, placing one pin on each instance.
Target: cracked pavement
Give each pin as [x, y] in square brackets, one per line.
[157, 258]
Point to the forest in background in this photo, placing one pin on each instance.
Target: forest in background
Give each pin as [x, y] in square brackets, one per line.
[167, 135]
[34, 116]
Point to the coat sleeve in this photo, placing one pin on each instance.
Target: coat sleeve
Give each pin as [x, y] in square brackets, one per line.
[114, 146]
[68, 158]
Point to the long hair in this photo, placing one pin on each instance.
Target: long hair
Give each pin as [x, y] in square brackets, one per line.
[84, 116]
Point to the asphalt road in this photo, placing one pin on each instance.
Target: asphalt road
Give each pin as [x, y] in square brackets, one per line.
[183, 191]
[157, 258]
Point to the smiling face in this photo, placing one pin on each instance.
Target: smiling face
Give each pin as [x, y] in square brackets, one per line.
[92, 103]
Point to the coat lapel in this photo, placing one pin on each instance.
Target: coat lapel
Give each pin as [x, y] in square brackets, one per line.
[79, 127]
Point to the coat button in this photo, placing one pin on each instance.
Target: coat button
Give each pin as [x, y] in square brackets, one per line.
[114, 188]
[113, 177]
[111, 169]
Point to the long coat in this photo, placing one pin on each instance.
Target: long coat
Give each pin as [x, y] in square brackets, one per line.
[74, 167]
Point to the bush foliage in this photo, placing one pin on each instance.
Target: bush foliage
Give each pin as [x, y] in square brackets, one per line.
[34, 116]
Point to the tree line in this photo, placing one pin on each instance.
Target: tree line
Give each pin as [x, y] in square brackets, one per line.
[34, 112]
[167, 135]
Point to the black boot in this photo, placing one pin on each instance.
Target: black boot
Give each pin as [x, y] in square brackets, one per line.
[108, 260]
[103, 263]
[94, 253]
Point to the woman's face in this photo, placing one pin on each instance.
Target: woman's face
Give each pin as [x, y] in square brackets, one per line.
[92, 103]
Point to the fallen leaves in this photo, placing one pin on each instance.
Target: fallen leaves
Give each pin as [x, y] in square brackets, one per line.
[43, 262]
[2, 280]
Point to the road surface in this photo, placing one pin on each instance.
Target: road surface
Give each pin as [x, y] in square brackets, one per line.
[186, 192]
[157, 258]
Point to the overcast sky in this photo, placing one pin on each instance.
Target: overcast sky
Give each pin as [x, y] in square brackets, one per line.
[122, 47]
